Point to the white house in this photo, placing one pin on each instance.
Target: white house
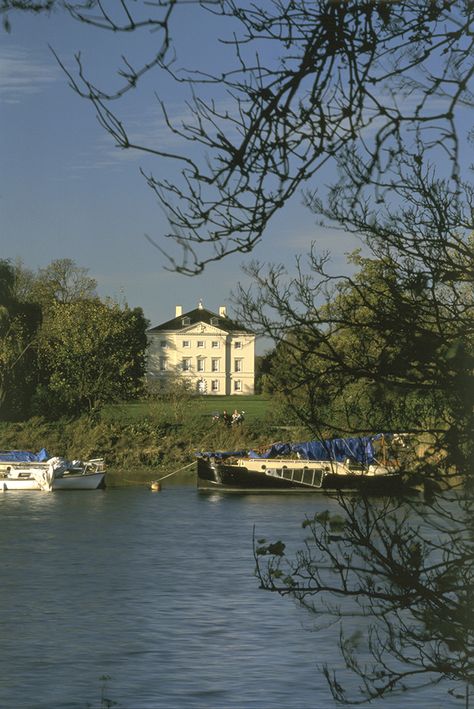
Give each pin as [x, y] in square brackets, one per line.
[214, 353]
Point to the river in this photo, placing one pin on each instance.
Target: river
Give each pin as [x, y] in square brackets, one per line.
[143, 600]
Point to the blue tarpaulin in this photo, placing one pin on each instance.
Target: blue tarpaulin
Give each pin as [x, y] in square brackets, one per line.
[338, 449]
[358, 449]
[24, 456]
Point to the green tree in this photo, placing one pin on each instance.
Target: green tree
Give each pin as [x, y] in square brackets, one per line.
[357, 84]
[19, 323]
[391, 344]
[263, 368]
[90, 353]
[62, 281]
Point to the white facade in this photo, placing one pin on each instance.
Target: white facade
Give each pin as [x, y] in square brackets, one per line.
[215, 354]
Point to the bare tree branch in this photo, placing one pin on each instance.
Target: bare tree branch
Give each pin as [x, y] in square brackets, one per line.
[308, 80]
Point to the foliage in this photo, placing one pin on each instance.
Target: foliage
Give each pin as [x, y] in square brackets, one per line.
[90, 353]
[392, 346]
[62, 350]
[19, 323]
[138, 441]
[263, 368]
[62, 281]
[378, 88]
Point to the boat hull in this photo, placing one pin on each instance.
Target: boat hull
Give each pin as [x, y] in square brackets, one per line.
[87, 481]
[309, 477]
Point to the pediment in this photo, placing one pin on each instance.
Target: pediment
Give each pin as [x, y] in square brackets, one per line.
[202, 328]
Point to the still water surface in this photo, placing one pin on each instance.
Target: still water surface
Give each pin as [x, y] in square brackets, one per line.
[155, 592]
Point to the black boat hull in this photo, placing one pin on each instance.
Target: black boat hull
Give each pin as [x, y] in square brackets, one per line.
[218, 475]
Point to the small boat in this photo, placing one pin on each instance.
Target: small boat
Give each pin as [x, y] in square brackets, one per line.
[22, 470]
[367, 464]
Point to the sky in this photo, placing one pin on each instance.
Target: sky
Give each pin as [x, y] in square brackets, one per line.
[67, 192]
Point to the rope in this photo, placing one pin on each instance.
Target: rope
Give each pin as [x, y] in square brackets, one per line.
[174, 473]
[149, 482]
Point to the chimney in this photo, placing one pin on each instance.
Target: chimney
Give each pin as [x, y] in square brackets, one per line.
[222, 311]
[179, 311]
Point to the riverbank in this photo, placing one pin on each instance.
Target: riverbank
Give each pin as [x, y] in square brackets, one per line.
[140, 447]
[146, 475]
[142, 443]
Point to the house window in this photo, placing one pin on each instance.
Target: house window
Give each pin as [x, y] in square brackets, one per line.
[200, 365]
[237, 385]
[215, 344]
[186, 343]
[186, 321]
[215, 365]
[200, 343]
[163, 343]
[237, 365]
[186, 364]
[215, 385]
[214, 321]
[238, 345]
[162, 364]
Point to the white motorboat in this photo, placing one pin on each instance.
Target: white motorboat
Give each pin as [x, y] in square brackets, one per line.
[21, 470]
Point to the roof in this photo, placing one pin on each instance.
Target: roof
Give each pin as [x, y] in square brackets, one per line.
[202, 315]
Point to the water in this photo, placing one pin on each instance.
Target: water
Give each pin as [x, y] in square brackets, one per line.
[148, 600]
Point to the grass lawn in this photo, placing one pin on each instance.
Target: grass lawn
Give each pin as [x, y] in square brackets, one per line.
[255, 407]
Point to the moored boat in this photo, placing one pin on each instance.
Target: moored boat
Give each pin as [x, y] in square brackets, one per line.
[22, 470]
[368, 464]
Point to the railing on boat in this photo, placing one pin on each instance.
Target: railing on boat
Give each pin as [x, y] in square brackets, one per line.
[301, 476]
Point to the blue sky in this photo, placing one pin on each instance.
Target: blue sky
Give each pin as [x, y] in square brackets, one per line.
[67, 192]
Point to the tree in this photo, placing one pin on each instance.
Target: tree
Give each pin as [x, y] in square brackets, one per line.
[378, 88]
[263, 368]
[61, 346]
[391, 344]
[90, 353]
[19, 323]
[25, 6]
[62, 281]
